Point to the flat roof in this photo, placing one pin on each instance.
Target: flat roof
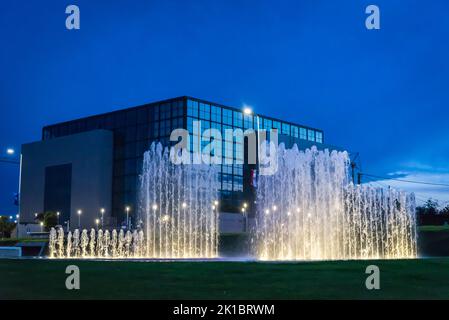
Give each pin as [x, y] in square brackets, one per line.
[177, 99]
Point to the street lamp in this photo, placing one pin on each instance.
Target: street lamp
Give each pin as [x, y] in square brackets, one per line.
[127, 216]
[247, 110]
[97, 221]
[102, 211]
[42, 226]
[79, 218]
[10, 151]
[57, 214]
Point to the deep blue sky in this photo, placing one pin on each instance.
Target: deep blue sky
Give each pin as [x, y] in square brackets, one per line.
[383, 93]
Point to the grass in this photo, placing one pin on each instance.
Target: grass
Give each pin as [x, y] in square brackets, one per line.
[400, 279]
[442, 228]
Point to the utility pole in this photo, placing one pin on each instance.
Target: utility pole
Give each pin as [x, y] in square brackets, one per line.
[359, 178]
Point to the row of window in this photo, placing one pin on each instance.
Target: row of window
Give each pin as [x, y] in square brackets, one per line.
[206, 112]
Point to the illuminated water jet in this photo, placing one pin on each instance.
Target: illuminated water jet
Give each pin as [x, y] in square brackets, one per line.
[309, 210]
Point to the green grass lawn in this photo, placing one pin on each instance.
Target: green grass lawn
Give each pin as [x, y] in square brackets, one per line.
[443, 228]
[400, 279]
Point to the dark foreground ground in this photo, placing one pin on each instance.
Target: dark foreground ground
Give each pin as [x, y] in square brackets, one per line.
[400, 279]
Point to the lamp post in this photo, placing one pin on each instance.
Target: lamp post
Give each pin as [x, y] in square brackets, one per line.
[42, 226]
[102, 211]
[245, 216]
[79, 218]
[57, 215]
[97, 221]
[127, 217]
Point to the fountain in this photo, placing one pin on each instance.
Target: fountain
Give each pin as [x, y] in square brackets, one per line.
[177, 217]
[177, 212]
[309, 210]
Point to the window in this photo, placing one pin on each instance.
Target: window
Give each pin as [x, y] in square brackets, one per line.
[238, 183]
[177, 109]
[165, 128]
[277, 125]
[176, 123]
[154, 113]
[310, 135]
[227, 182]
[267, 124]
[227, 116]
[319, 137]
[238, 152]
[248, 121]
[142, 116]
[131, 118]
[130, 133]
[238, 170]
[285, 129]
[303, 133]
[192, 108]
[238, 119]
[295, 132]
[165, 111]
[215, 114]
[215, 125]
[204, 111]
[227, 169]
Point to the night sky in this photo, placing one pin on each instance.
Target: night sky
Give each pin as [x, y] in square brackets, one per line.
[383, 93]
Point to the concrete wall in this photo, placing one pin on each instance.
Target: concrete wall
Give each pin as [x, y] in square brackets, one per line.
[90, 154]
[230, 223]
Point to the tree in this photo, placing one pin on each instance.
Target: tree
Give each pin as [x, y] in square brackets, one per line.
[6, 227]
[49, 218]
[430, 207]
[445, 210]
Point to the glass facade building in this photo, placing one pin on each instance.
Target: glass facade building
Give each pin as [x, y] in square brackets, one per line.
[134, 130]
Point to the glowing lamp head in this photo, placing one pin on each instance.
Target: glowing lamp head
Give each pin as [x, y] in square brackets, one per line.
[127, 208]
[57, 213]
[213, 207]
[102, 210]
[247, 110]
[79, 212]
[267, 211]
[10, 151]
[216, 202]
[245, 205]
[154, 207]
[166, 218]
[41, 224]
[275, 208]
[97, 221]
[288, 213]
[243, 209]
[184, 205]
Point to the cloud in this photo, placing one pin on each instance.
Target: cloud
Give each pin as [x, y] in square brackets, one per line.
[422, 191]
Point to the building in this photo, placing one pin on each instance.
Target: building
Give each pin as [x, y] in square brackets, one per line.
[83, 165]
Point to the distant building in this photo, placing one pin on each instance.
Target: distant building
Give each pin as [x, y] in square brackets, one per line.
[83, 165]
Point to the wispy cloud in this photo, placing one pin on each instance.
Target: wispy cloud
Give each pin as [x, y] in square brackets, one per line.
[422, 191]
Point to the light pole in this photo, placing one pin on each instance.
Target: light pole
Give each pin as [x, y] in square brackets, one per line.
[245, 216]
[79, 218]
[127, 217]
[57, 214]
[97, 221]
[102, 211]
[42, 226]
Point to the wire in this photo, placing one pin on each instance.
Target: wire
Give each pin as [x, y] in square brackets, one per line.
[417, 197]
[408, 181]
